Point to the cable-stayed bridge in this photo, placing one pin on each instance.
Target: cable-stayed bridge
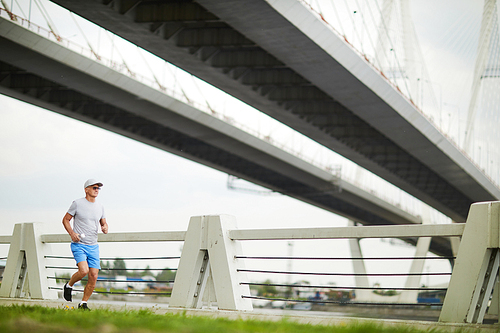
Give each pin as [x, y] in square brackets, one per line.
[388, 135]
[45, 73]
[41, 72]
[283, 60]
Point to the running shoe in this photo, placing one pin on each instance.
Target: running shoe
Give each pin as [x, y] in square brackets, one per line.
[83, 306]
[67, 293]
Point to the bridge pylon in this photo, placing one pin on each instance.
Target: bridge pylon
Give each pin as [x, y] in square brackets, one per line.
[486, 64]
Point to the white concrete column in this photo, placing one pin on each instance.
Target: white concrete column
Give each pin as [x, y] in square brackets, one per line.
[476, 266]
[362, 295]
[207, 270]
[417, 267]
[25, 274]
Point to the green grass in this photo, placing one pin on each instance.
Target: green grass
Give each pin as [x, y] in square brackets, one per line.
[34, 319]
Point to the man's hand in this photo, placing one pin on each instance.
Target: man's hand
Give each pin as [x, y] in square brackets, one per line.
[75, 237]
[104, 226]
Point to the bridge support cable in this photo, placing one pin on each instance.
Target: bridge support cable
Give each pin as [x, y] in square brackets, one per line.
[9, 10]
[367, 29]
[384, 33]
[49, 21]
[85, 37]
[483, 52]
[484, 105]
[12, 10]
[141, 131]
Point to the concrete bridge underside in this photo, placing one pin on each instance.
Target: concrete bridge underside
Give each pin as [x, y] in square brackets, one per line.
[43, 73]
[281, 59]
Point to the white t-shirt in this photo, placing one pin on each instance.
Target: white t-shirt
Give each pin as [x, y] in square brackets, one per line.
[86, 217]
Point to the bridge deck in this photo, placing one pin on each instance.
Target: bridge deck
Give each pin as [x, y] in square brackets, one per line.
[280, 58]
[46, 74]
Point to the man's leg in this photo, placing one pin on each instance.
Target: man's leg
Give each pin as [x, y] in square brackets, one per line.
[93, 261]
[83, 270]
[89, 288]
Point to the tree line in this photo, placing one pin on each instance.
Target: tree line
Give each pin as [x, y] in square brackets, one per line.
[119, 267]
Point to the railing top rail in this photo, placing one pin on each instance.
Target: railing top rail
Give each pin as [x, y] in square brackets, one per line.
[154, 236]
[5, 239]
[397, 231]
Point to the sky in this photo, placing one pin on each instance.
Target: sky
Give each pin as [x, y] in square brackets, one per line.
[45, 158]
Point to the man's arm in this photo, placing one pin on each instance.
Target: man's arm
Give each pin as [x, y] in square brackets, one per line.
[74, 236]
[104, 226]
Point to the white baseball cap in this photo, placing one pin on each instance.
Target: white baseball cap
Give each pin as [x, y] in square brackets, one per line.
[91, 182]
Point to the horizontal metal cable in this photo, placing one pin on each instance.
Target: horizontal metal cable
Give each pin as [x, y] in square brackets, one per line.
[342, 274]
[151, 258]
[110, 280]
[343, 258]
[334, 287]
[341, 302]
[117, 269]
[116, 292]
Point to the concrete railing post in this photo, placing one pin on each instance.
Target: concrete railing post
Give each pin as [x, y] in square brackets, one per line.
[476, 267]
[207, 269]
[25, 274]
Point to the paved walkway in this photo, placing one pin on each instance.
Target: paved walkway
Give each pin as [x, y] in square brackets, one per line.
[295, 316]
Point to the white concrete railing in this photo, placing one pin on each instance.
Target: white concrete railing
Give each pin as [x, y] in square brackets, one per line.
[209, 270]
[162, 236]
[29, 247]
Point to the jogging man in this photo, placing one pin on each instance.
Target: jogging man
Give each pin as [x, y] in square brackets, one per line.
[87, 215]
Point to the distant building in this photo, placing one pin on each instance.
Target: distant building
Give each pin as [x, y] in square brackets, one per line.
[125, 282]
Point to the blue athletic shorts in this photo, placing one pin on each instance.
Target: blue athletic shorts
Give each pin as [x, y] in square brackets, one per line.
[88, 253]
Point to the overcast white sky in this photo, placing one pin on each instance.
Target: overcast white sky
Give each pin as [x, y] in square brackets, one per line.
[45, 158]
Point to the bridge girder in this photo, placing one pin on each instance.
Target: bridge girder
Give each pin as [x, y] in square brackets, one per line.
[192, 35]
[35, 78]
